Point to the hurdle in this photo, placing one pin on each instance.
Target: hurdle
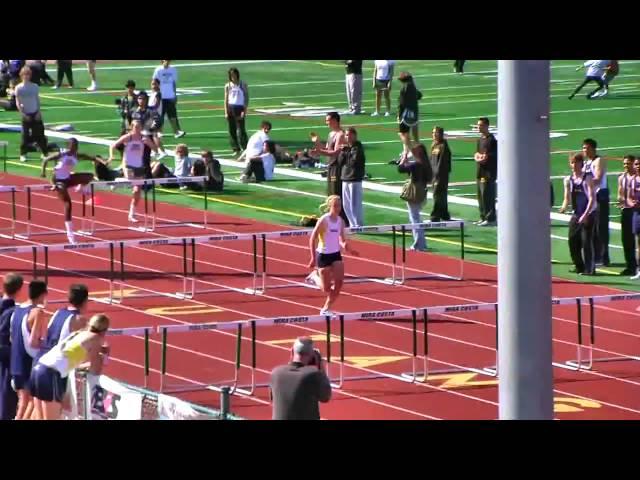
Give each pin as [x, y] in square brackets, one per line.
[585, 359]
[88, 221]
[10, 232]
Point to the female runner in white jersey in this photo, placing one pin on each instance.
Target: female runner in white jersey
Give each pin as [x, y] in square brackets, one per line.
[82, 349]
[327, 239]
[133, 160]
[63, 178]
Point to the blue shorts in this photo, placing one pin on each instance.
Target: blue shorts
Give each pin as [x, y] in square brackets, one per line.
[635, 223]
[47, 384]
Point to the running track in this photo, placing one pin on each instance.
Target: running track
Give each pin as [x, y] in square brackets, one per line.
[612, 391]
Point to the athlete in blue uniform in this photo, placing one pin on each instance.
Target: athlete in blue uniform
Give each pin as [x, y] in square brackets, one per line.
[26, 336]
[579, 190]
[12, 285]
[63, 322]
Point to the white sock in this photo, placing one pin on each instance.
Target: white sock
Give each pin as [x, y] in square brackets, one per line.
[69, 228]
[132, 211]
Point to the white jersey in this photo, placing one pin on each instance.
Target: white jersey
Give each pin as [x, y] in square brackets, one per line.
[588, 168]
[329, 236]
[383, 69]
[255, 145]
[133, 153]
[235, 94]
[66, 355]
[168, 78]
[596, 68]
[66, 164]
[155, 102]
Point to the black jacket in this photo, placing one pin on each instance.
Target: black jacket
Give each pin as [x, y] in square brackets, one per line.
[440, 159]
[353, 160]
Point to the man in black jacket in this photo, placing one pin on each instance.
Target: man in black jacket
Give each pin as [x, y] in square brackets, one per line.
[486, 158]
[353, 165]
[441, 166]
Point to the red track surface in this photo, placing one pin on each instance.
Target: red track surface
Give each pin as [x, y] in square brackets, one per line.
[462, 339]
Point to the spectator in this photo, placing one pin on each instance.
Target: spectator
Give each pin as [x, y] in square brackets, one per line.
[626, 212]
[261, 166]
[91, 68]
[84, 348]
[597, 166]
[382, 78]
[39, 72]
[182, 165]
[236, 104]
[486, 158]
[354, 86]
[149, 120]
[4, 77]
[296, 388]
[408, 111]
[579, 190]
[11, 288]
[595, 72]
[155, 104]
[353, 161]
[127, 105]
[255, 146]
[9, 104]
[15, 67]
[441, 166]
[28, 103]
[458, 66]
[64, 68]
[207, 166]
[168, 78]
[415, 190]
[332, 149]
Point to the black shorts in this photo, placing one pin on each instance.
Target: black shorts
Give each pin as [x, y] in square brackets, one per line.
[21, 382]
[169, 108]
[403, 128]
[136, 173]
[324, 260]
[47, 384]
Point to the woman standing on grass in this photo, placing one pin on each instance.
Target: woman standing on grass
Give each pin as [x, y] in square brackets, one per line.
[408, 112]
[133, 160]
[236, 103]
[63, 178]
[327, 239]
[83, 349]
[415, 190]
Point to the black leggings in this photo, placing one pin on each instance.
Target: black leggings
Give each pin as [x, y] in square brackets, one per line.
[33, 130]
[236, 126]
[256, 168]
[64, 68]
[598, 80]
[581, 243]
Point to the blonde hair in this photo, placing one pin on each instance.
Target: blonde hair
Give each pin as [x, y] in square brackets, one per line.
[326, 206]
[99, 323]
[182, 146]
[25, 69]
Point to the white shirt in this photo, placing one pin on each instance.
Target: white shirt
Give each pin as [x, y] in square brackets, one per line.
[383, 68]
[235, 94]
[155, 102]
[329, 234]
[269, 163]
[588, 168]
[255, 145]
[182, 166]
[168, 80]
[65, 166]
[133, 152]
[596, 67]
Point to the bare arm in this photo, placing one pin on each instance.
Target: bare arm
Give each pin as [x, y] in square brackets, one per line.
[599, 167]
[38, 327]
[340, 141]
[115, 145]
[620, 193]
[54, 157]
[344, 241]
[226, 101]
[313, 242]
[565, 201]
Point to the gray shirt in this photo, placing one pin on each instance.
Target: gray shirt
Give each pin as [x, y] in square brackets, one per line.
[27, 97]
[296, 391]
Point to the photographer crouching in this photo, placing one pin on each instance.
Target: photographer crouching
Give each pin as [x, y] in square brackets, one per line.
[296, 388]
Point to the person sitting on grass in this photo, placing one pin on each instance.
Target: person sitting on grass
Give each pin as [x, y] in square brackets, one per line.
[207, 166]
[9, 104]
[182, 166]
[260, 166]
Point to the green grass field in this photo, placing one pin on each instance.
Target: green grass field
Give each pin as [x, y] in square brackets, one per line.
[450, 100]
